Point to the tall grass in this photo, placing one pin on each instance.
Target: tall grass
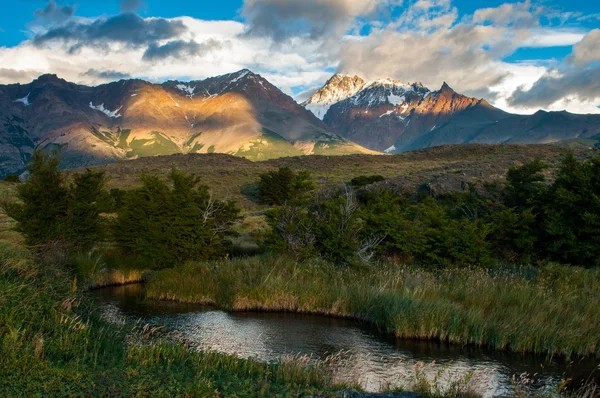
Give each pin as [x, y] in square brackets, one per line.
[51, 344]
[553, 310]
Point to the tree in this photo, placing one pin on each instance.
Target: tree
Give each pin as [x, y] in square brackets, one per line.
[572, 213]
[278, 187]
[525, 184]
[49, 210]
[84, 224]
[171, 225]
[41, 213]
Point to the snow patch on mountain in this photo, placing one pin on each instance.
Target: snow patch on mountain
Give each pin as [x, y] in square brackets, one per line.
[396, 99]
[24, 100]
[390, 149]
[113, 114]
[189, 90]
[319, 110]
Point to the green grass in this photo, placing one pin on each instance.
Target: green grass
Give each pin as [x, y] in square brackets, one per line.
[51, 344]
[160, 144]
[553, 310]
[269, 145]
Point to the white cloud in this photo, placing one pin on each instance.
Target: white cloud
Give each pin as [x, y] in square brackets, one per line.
[294, 43]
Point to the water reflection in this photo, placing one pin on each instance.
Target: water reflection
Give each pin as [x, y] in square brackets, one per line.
[374, 360]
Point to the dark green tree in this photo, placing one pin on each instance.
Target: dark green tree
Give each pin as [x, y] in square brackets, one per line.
[84, 225]
[279, 187]
[42, 207]
[572, 214]
[168, 226]
[526, 185]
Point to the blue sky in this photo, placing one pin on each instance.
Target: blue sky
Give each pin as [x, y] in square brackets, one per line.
[520, 55]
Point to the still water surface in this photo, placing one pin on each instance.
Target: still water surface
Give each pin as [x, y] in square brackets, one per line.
[375, 360]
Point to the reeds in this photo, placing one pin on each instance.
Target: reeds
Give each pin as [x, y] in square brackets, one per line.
[551, 310]
[52, 343]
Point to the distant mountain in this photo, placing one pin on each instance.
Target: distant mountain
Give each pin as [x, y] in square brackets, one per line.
[239, 113]
[392, 116]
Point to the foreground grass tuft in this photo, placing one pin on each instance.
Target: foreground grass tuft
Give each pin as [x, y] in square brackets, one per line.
[551, 310]
[52, 345]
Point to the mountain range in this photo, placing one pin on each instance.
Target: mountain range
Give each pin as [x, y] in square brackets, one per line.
[392, 116]
[239, 113]
[243, 114]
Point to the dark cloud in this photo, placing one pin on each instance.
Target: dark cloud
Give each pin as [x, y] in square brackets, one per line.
[131, 5]
[106, 74]
[128, 28]
[179, 49]
[54, 14]
[283, 19]
[577, 77]
[582, 84]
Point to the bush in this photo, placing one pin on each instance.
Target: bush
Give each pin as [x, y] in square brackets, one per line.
[279, 187]
[171, 225]
[12, 178]
[361, 181]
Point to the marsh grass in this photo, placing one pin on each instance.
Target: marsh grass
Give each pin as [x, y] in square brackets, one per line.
[552, 310]
[53, 344]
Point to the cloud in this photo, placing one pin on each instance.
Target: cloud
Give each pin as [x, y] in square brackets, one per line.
[106, 74]
[128, 28]
[577, 78]
[518, 15]
[8, 76]
[131, 5]
[574, 84]
[587, 50]
[429, 44]
[179, 49]
[296, 45]
[284, 19]
[54, 14]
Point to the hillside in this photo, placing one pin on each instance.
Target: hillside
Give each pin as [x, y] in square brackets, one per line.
[241, 114]
[438, 169]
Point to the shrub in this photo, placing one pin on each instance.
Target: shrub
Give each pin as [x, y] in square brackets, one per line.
[12, 178]
[361, 181]
[279, 187]
[171, 225]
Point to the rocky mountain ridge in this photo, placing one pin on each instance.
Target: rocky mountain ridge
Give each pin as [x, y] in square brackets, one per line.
[239, 113]
[392, 116]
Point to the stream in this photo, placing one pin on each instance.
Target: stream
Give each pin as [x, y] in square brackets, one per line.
[376, 361]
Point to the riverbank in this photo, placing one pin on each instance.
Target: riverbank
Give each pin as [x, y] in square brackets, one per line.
[552, 310]
[53, 344]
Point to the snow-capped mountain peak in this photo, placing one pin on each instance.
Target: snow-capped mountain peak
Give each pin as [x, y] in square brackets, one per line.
[338, 88]
[360, 93]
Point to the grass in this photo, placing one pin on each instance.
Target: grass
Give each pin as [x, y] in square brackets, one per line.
[51, 344]
[227, 175]
[553, 310]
